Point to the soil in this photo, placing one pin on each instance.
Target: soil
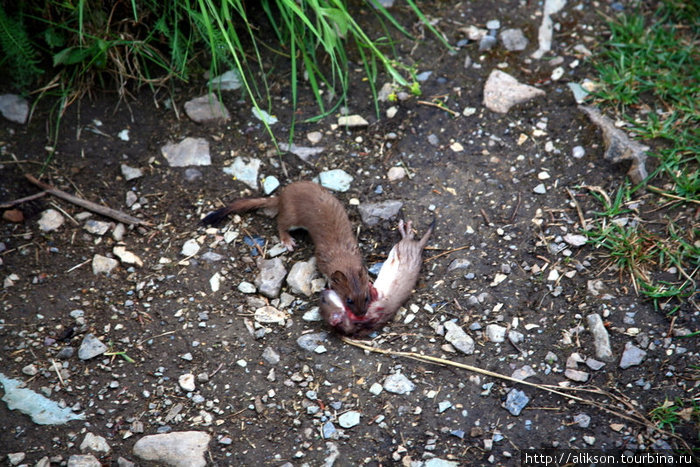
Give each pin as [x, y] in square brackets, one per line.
[269, 414]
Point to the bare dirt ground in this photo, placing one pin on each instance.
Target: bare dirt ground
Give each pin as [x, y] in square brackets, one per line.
[262, 412]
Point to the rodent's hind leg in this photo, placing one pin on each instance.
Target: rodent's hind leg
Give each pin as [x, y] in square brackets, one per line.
[287, 240]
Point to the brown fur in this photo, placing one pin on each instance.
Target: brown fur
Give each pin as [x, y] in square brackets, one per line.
[393, 286]
[309, 206]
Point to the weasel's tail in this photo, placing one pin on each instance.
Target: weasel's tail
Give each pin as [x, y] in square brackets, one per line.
[427, 234]
[240, 205]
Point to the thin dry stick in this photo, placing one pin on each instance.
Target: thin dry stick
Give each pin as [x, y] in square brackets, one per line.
[15, 202]
[636, 417]
[446, 253]
[103, 210]
[581, 219]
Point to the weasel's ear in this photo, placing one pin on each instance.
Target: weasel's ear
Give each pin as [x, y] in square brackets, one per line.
[338, 278]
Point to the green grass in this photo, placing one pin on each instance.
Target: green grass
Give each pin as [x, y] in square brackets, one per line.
[670, 414]
[80, 47]
[649, 75]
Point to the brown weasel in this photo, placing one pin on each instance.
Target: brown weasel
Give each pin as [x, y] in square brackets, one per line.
[394, 284]
[307, 205]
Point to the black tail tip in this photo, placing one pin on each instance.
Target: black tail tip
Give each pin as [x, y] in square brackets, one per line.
[215, 217]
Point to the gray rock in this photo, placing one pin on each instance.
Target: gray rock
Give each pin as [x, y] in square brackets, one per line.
[271, 276]
[397, 383]
[229, 81]
[576, 375]
[583, 420]
[103, 265]
[188, 152]
[300, 277]
[118, 232]
[437, 462]
[43, 411]
[187, 382]
[50, 220]
[352, 121]
[271, 356]
[580, 94]
[270, 184]
[192, 174]
[336, 180]
[546, 29]
[121, 462]
[493, 24]
[263, 116]
[516, 401]
[495, 333]
[315, 136]
[270, 315]
[618, 146]
[540, 189]
[307, 154]
[523, 373]
[245, 170]
[65, 353]
[14, 108]
[131, 173]
[313, 314]
[456, 336]
[349, 419]
[631, 356]
[91, 347]
[190, 248]
[578, 152]
[177, 449]
[515, 337]
[30, 370]
[212, 257]
[310, 342]
[97, 227]
[329, 431]
[487, 43]
[372, 213]
[459, 263]
[15, 458]
[502, 91]
[444, 405]
[513, 39]
[207, 108]
[83, 460]
[601, 340]
[131, 198]
[95, 444]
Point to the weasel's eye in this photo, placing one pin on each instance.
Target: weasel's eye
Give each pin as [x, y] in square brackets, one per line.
[349, 301]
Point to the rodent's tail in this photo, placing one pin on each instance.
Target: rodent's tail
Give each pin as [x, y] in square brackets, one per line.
[427, 234]
[240, 205]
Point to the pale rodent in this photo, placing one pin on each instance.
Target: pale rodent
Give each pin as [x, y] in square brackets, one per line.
[309, 206]
[394, 284]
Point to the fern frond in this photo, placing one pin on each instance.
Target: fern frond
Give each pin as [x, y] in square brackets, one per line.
[20, 54]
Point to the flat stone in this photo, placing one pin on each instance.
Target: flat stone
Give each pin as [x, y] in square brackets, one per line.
[264, 116]
[190, 248]
[271, 277]
[459, 339]
[176, 449]
[307, 154]
[631, 356]
[125, 256]
[270, 315]
[187, 382]
[270, 184]
[83, 460]
[50, 220]
[103, 265]
[314, 137]
[336, 180]
[131, 173]
[576, 375]
[271, 356]
[352, 121]
[502, 91]
[516, 401]
[513, 39]
[495, 333]
[300, 277]
[601, 339]
[96, 227]
[188, 152]
[228, 81]
[95, 444]
[310, 342]
[207, 108]
[396, 173]
[349, 419]
[245, 170]
[372, 213]
[91, 347]
[397, 383]
[14, 108]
